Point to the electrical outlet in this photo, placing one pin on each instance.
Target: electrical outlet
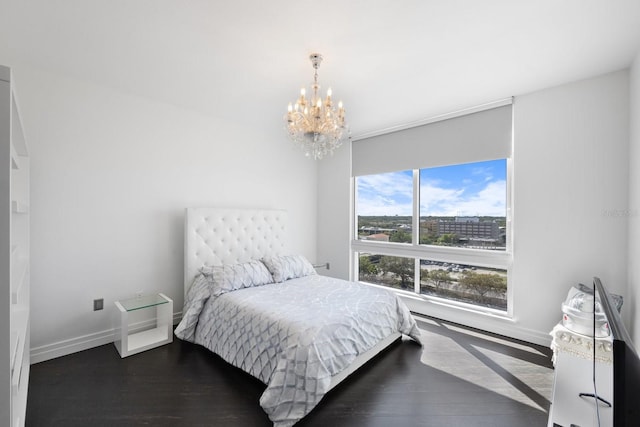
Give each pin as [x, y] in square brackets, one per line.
[98, 304]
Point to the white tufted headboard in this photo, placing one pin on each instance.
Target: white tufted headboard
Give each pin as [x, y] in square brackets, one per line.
[215, 236]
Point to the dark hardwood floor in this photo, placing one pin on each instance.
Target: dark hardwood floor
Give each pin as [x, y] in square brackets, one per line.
[460, 378]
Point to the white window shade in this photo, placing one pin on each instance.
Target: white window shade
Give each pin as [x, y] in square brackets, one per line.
[474, 137]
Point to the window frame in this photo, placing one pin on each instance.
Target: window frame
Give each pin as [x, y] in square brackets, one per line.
[477, 257]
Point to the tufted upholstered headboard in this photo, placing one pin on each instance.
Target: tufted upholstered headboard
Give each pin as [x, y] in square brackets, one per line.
[216, 236]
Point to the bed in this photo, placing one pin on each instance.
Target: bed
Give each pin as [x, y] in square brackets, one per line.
[267, 312]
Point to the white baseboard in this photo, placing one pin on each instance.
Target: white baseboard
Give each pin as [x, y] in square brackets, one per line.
[85, 342]
[500, 325]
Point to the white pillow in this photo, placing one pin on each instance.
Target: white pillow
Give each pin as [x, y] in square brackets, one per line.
[230, 277]
[285, 267]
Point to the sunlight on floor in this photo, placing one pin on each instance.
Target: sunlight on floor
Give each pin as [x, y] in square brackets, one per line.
[515, 370]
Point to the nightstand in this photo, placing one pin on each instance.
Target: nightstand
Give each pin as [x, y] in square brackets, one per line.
[127, 340]
[574, 374]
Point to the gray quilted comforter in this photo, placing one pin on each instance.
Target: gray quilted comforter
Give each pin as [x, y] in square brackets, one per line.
[295, 335]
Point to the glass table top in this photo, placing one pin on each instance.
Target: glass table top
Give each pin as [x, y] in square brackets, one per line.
[144, 301]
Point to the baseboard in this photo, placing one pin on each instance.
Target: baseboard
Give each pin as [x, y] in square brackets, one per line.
[500, 325]
[85, 342]
[510, 331]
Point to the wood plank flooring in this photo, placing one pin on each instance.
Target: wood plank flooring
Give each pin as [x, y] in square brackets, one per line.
[460, 378]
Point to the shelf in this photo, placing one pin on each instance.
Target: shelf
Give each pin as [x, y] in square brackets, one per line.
[17, 134]
[20, 384]
[14, 342]
[19, 193]
[18, 339]
[20, 396]
[142, 302]
[15, 158]
[18, 275]
[16, 374]
[17, 383]
[19, 321]
[144, 339]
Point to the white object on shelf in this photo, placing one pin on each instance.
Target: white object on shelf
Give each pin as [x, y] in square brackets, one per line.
[129, 342]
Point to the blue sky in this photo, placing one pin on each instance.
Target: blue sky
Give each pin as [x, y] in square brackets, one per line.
[460, 190]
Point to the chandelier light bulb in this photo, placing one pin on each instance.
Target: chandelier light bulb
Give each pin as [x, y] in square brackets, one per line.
[317, 128]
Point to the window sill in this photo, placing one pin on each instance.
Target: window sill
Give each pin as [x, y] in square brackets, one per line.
[459, 306]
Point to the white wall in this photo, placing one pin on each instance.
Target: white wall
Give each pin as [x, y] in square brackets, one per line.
[570, 184]
[334, 195]
[571, 189]
[111, 176]
[632, 304]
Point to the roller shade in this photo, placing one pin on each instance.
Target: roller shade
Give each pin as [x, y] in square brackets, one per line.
[474, 137]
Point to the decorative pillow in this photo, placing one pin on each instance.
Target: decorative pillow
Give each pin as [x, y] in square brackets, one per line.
[285, 267]
[227, 278]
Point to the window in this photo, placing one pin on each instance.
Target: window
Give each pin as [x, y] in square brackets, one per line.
[464, 205]
[432, 215]
[385, 206]
[392, 271]
[465, 283]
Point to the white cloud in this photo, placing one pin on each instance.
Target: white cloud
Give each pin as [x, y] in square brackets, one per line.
[385, 194]
[490, 200]
[389, 184]
[392, 194]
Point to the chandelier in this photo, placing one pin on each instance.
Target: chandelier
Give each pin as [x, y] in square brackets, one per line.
[316, 125]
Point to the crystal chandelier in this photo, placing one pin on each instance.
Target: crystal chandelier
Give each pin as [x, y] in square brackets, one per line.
[315, 124]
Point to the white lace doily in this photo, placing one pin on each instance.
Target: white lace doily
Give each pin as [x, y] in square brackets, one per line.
[580, 345]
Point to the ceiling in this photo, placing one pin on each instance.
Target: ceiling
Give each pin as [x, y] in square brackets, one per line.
[391, 62]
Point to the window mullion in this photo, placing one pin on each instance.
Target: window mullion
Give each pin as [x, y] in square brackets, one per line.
[415, 226]
[416, 208]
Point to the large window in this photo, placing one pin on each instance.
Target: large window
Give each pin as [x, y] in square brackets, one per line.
[462, 211]
[439, 228]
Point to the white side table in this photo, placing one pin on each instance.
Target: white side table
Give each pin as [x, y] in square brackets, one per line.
[129, 343]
